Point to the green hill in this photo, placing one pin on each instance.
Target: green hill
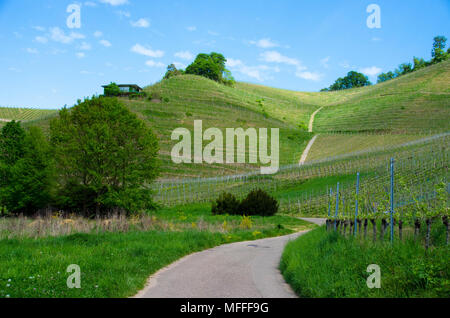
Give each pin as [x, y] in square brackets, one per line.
[416, 102]
[409, 107]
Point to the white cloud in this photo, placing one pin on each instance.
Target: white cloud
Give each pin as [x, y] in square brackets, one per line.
[141, 23]
[80, 55]
[264, 43]
[105, 43]
[371, 71]
[259, 72]
[58, 35]
[90, 4]
[85, 46]
[184, 55]
[39, 28]
[310, 76]
[98, 34]
[115, 2]
[41, 39]
[152, 63]
[123, 14]
[179, 65]
[32, 51]
[324, 62]
[191, 28]
[140, 49]
[276, 57]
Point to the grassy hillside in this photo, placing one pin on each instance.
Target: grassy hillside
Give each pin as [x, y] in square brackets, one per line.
[408, 107]
[330, 145]
[416, 102]
[178, 101]
[24, 114]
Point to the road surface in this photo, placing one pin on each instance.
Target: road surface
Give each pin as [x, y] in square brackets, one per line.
[237, 270]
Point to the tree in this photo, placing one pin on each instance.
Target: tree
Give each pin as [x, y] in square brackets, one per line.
[112, 90]
[352, 80]
[211, 66]
[228, 78]
[438, 53]
[383, 77]
[419, 63]
[27, 175]
[106, 156]
[172, 71]
[403, 69]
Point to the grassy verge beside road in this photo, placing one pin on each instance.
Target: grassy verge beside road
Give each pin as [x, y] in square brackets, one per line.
[321, 264]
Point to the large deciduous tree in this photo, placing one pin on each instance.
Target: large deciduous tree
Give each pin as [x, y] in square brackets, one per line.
[106, 156]
[211, 66]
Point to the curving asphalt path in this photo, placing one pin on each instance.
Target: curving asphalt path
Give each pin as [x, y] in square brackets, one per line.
[237, 270]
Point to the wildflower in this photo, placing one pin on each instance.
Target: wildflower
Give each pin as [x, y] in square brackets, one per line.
[7, 285]
[7, 296]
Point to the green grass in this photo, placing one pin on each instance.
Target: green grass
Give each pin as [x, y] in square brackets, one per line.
[416, 102]
[327, 146]
[118, 264]
[412, 104]
[196, 98]
[321, 264]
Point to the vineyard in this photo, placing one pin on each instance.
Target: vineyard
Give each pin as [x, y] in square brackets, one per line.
[25, 114]
[304, 189]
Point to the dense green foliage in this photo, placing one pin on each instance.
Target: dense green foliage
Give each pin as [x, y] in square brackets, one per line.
[352, 80]
[105, 155]
[259, 202]
[226, 203]
[211, 66]
[26, 169]
[112, 90]
[321, 264]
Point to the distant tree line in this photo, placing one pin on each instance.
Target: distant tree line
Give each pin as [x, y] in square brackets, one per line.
[211, 66]
[355, 79]
[438, 54]
[98, 158]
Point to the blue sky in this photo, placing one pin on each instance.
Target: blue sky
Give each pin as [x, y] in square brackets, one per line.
[298, 45]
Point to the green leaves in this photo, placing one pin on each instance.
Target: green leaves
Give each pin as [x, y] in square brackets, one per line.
[26, 169]
[106, 157]
[211, 66]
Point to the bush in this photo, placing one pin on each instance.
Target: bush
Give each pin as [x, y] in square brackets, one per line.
[259, 202]
[226, 204]
[112, 90]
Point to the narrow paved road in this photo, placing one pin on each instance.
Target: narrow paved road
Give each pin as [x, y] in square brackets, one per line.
[238, 270]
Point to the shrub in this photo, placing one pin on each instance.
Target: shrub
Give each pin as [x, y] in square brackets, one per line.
[226, 204]
[112, 90]
[259, 202]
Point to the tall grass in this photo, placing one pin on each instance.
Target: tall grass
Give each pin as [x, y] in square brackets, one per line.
[322, 264]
